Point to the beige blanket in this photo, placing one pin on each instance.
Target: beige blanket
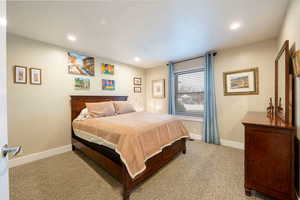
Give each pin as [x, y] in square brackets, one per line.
[136, 137]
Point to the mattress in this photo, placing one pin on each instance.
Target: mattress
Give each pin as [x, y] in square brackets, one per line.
[136, 136]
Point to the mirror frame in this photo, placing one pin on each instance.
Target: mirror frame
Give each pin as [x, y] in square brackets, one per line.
[287, 115]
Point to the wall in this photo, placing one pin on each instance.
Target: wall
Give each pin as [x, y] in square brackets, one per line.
[39, 116]
[156, 105]
[291, 31]
[161, 105]
[231, 109]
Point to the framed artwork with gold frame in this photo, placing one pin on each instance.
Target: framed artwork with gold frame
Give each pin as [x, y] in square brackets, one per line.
[241, 82]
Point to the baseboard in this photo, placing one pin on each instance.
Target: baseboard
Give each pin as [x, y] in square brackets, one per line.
[228, 143]
[233, 144]
[37, 156]
[195, 136]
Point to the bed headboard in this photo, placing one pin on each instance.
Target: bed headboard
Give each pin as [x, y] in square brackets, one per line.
[78, 102]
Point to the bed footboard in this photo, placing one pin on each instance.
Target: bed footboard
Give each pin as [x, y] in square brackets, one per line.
[117, 169]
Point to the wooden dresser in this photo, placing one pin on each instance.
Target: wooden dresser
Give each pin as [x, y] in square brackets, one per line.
[269, 156]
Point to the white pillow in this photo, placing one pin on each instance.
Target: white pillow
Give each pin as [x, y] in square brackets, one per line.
[84, 114]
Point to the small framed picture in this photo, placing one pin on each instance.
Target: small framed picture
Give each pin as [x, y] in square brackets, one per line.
[158, 89]
[20, 75]
[108, 69]
[137, 89]
[108, 84]
[242, 82]
[35, 76]
[137, 81]
[81, 83]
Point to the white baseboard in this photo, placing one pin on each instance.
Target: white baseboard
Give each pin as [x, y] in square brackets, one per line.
[37, 156]
[196, 136]
[233, 144]
[228, 143]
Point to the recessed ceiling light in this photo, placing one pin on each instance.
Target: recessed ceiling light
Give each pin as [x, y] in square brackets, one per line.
[235, 26]
[3, 21]
[103, 21]
[137, 59]
[71, 37]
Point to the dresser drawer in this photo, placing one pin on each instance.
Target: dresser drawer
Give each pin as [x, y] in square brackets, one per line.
[269, 161]
[268, 158]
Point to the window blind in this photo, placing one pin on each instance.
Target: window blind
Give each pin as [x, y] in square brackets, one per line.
[189, 92]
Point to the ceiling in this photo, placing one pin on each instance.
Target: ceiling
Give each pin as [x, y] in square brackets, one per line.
[156, 31]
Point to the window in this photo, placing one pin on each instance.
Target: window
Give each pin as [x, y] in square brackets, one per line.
[189, 93]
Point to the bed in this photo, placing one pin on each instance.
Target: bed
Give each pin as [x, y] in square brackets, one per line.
[109, 158]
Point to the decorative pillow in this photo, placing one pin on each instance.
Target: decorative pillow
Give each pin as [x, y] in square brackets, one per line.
[101, 109]
[123, 107]
[84, 114]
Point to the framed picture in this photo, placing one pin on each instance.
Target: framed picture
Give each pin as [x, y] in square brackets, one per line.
[242, 82]
[158, 88]
[20, 74]
[296, 63]
[108, 69]
[137, 81]
[81, 83]
[80, 64]
[137, 89]
[35, 76]
[108, 84]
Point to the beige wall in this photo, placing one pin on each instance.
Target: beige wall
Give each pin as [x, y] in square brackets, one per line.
[231, 109]
[291, 31]
[39, 131]
[39, 116]
[161, 105]
[156, 105]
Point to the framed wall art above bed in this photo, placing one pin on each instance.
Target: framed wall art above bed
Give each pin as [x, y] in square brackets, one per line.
[108, 69]
[81, 64]
[81, 83]
[242, 82]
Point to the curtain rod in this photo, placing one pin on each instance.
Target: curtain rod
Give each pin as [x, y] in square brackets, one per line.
[180, 61]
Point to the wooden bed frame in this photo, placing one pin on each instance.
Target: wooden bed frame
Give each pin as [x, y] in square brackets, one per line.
[109, 160]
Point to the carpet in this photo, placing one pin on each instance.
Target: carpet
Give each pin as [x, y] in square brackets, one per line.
[206, 172]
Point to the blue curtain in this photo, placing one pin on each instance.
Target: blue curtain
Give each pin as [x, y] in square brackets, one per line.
[210, 125]
[171, 89]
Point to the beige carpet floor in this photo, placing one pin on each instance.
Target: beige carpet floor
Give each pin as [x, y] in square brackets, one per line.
[206, 172]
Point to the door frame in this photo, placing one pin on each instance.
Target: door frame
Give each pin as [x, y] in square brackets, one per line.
[4, 170]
